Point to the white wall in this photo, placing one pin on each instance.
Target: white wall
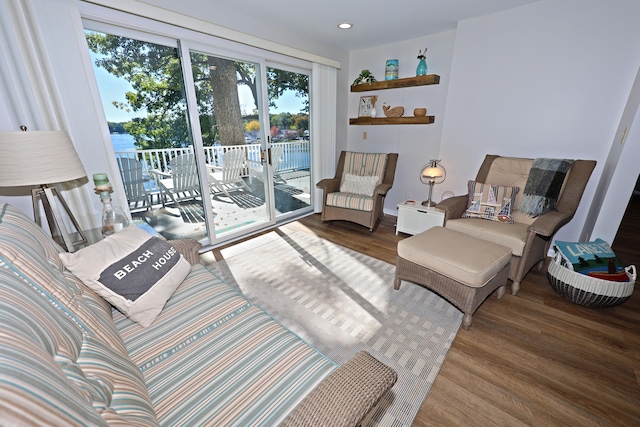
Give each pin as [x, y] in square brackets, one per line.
[550, 79]
[415, 144]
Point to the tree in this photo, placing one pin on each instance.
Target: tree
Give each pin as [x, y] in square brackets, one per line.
[155, 75]
[252, 126]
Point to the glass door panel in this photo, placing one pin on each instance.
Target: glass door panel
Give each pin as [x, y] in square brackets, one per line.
[228, 95]
[143, 94]
[290, 140]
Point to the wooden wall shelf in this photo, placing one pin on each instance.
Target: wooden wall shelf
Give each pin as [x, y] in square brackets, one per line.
[423, 120]
[429, 79]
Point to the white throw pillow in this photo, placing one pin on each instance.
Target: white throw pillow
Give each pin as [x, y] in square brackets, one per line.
[357, 184]
[136, 272]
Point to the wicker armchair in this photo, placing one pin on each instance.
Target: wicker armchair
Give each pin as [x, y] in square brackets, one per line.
[529, 238]
[362, 209]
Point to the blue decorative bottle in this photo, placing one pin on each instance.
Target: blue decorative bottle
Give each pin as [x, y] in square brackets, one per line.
[422, 65]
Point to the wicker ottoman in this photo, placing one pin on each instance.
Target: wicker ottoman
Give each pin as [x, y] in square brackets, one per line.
[460, 268]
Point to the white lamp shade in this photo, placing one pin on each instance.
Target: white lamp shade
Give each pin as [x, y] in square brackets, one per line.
[38, 157]
[432, 172]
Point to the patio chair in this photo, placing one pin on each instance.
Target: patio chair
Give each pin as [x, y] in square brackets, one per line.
[181, 184]
[134, 180]
[228, 177]
[345, 196]
[277, 162]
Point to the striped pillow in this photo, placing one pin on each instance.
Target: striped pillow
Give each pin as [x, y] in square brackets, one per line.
[356, 184]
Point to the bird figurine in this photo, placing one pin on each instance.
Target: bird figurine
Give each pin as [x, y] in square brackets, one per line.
[393, 112]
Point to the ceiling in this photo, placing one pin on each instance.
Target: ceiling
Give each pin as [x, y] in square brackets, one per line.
[375, 22]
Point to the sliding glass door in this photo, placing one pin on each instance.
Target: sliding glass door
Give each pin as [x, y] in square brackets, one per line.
[210, 144]
[225, 101]
[289, 132]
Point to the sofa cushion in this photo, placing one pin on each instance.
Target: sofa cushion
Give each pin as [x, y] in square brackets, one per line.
[512, 236]
[350, 201]
[57, 372]
[356, 184]
[489, 201]
[134, 271]
[230, 364]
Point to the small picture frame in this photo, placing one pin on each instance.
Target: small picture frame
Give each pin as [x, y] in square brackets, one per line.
[365, 106]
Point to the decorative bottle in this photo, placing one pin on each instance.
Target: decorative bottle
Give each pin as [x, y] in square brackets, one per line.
[422, 64]
[113, 218]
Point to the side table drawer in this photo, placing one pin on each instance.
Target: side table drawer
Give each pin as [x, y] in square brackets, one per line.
[414, 219]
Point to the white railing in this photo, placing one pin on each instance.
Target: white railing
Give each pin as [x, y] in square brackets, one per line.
[296, 155]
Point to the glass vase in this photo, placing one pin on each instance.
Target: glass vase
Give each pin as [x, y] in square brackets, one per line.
[422, 68]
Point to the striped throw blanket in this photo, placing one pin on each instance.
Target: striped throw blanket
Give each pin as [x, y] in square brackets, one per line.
[543, 186]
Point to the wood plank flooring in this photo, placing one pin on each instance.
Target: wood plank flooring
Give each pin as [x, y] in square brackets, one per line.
[530, 360]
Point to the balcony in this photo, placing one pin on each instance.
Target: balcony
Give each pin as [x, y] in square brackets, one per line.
[232, 211]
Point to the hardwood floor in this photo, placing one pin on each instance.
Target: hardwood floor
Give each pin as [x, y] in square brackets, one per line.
[530, 360]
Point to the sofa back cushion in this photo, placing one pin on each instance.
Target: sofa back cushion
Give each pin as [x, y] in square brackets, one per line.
[59, 347]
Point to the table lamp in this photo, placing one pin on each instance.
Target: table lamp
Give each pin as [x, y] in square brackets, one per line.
[432, 173]
[43, 159]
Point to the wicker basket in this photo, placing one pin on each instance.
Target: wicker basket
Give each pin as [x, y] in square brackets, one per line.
[586, 290]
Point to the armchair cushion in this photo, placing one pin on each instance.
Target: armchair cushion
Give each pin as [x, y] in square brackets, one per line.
[513, 236]
[357, 184]
[493, 202]
[358, 202]
[365, 164]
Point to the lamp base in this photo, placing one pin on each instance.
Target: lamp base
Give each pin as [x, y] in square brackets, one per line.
[54, 205]
[429, 203]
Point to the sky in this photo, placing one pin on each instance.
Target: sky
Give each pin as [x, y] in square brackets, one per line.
[113, 89]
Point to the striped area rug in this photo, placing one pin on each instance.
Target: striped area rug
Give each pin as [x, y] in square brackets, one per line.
[341, 301]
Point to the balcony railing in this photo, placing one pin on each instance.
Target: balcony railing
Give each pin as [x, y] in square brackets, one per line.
[296, 156]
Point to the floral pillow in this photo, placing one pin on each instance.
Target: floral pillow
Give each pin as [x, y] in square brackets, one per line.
[493, 202]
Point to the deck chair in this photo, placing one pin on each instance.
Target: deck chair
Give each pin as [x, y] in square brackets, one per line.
[229, 175]
[182, 183]
[277, 161]
[133, 179]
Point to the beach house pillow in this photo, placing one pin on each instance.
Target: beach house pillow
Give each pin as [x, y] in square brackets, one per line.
[357, 184]
[586, 257]
[493, 202]
[135, 272]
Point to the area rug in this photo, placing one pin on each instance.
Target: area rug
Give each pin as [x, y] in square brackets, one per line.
[341, 301]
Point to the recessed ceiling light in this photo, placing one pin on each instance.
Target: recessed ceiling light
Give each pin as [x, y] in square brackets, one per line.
[344, 25]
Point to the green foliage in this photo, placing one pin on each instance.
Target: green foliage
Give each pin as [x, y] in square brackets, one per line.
[365, 76]
[155, 74]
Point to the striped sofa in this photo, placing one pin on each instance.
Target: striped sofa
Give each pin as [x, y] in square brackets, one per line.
[210, 358]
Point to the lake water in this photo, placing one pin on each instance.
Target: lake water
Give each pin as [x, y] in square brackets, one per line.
[122, 142]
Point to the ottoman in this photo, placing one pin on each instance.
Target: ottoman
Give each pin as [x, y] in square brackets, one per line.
[460, 268]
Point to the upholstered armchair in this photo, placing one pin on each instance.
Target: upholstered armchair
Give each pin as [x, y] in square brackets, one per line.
[528, 237]
[356, 193]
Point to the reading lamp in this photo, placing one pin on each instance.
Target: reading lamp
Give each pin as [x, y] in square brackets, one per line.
[44, 159]
[432, 173]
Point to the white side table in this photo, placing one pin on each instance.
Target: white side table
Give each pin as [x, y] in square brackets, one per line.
[415, 218]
